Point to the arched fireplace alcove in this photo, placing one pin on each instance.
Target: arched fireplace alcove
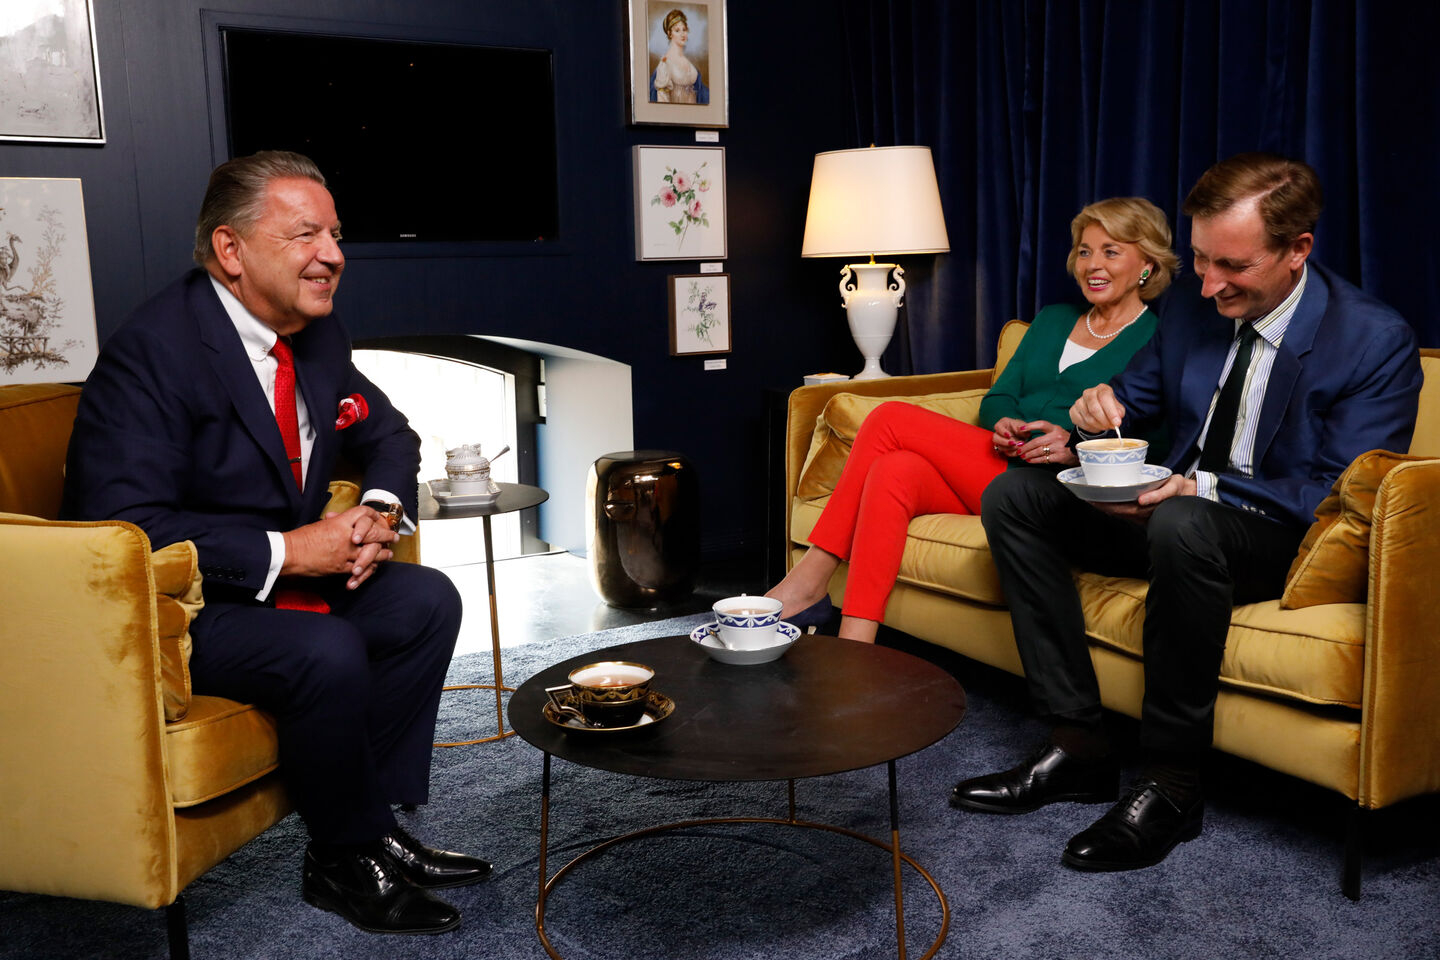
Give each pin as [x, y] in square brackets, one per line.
[558, 409]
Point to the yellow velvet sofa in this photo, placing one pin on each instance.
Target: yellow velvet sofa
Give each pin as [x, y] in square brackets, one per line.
[1342, 694]
[119, 784]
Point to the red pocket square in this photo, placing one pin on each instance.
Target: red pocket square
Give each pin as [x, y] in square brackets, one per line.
[353, 409]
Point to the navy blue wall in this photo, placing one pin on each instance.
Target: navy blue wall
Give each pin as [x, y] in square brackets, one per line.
[143, 187]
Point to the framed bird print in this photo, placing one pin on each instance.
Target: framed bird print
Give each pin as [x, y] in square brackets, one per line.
[47, 307]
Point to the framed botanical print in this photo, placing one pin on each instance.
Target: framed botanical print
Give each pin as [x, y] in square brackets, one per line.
[678, 63]
[49, 72]
[699, 313]
[47, 307]
[679, 203]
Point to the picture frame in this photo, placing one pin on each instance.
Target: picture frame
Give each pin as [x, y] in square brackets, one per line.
[699, 314]
[47, 305]
[703, 101]
[50, 73]
[680, 203]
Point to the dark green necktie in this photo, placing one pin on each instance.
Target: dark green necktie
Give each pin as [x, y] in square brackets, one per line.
[1215, 457]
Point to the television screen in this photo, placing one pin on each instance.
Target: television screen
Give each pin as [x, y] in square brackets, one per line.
[418, 141]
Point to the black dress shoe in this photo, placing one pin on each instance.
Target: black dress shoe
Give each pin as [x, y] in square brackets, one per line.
[1049, 776]
[1139, 831]
[370, 891]
[427, 867]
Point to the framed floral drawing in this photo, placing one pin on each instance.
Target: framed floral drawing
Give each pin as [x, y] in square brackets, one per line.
[680, 203]
[47, 307]
[49, 72]
[678, 63]
[699, 314]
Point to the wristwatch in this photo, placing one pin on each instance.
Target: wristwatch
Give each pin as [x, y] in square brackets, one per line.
[391, 513]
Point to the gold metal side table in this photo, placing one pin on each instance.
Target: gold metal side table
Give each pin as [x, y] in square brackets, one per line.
[512, 497]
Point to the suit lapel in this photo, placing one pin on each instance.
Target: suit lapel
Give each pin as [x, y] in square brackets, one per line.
[1299, 338]
[234, 370]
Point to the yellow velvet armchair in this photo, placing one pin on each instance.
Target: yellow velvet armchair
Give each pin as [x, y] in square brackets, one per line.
[119, 784]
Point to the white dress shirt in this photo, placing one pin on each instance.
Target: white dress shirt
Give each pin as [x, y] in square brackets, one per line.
[258, 340]
[1271, 329]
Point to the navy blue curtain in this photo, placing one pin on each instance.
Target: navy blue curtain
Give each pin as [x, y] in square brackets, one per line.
[1034, 108]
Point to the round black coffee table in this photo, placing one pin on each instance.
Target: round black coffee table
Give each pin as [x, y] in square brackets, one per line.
[828, 706]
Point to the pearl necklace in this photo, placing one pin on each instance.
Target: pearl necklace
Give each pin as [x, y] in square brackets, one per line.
[1114, 333]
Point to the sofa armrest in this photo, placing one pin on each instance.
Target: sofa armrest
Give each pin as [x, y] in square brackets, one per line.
[1400, 728]
[82, 760]
[806, 403]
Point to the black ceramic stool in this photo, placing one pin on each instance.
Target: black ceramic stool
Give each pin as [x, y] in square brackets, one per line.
[643, 527]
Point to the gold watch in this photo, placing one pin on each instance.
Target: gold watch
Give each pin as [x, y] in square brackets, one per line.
[391, 513]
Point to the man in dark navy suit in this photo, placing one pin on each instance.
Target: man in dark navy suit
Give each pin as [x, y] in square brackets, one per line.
[1266, 404]
[216, 414]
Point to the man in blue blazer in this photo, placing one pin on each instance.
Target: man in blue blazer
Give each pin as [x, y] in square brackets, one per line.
[1266, 404]
[216, 414]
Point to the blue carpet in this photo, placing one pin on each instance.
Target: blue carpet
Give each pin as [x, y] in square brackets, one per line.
[1261, 881]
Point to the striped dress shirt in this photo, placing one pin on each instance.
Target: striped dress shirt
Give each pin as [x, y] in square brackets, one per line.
[1271, 329]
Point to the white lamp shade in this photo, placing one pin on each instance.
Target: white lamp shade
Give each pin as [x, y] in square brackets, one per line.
[874, 200]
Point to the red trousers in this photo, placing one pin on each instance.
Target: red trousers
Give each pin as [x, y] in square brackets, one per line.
[907, 461]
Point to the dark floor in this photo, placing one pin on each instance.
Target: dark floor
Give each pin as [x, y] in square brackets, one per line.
[543, 596]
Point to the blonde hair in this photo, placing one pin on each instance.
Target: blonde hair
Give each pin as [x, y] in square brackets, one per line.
[1131, 220]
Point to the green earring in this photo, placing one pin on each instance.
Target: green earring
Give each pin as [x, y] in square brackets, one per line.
[1144, 276]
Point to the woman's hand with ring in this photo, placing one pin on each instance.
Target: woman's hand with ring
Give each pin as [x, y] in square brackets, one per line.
[1050, 445]
[1009, 436]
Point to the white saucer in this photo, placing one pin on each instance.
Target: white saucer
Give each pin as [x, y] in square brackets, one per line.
[705, 637]
[440, 490]
[1074, 480]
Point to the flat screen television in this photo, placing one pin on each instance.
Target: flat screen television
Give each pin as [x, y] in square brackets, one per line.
[418, 141]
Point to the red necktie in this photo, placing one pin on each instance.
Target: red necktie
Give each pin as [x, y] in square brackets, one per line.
[285, 416]
[288, 421]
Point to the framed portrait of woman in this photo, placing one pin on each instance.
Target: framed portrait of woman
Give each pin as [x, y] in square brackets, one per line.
[678, 63]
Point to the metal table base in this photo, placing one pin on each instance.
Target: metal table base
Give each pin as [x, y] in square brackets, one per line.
[548, 883]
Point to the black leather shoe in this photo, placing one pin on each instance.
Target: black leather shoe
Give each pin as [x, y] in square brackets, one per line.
[1048, 776]
[1139, 831]
[427, 867]
[370, 891]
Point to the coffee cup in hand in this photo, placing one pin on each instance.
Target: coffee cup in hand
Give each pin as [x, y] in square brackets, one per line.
[1112, 461]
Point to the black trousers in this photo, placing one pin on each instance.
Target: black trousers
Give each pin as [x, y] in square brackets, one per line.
[1201, 558]
[354, 692]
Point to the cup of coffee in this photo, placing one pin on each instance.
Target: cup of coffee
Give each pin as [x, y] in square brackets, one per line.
[610, 693]
[1112, 461]
[748, 623]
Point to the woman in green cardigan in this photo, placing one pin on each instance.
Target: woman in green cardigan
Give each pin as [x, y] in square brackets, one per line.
[908, 461]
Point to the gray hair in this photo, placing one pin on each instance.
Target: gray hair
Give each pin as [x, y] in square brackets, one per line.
[235, 196]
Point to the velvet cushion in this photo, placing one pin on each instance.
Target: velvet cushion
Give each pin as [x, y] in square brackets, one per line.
[1333, 563]
[840, 420]
[177, 601]
[1427, 418]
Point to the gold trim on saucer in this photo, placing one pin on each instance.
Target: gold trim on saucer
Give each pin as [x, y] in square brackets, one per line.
[657, 708]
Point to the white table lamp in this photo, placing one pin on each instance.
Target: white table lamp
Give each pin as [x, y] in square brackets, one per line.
[874, 200]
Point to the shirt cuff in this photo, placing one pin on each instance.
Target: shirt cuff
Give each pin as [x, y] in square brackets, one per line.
[407, 523]
[1207, 485]
[277, 560]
